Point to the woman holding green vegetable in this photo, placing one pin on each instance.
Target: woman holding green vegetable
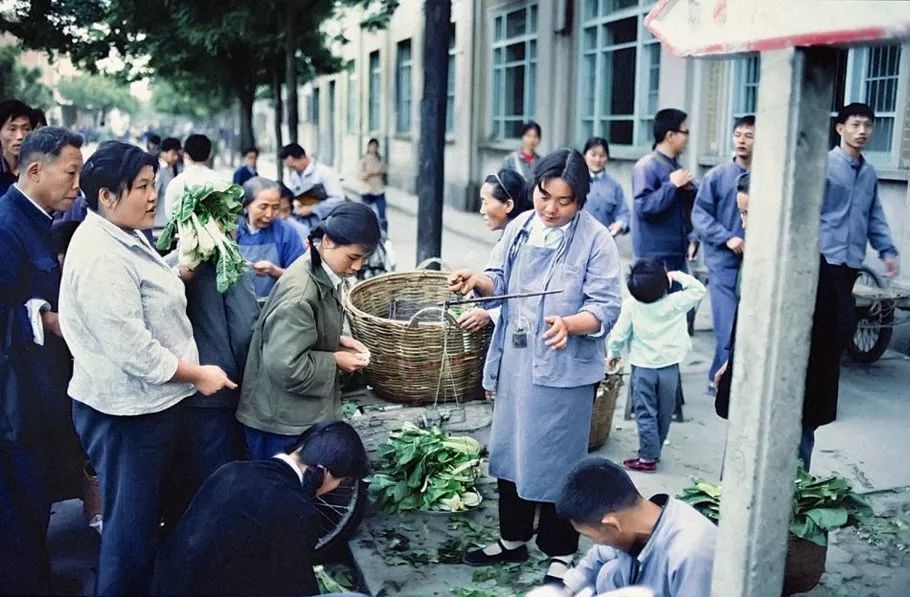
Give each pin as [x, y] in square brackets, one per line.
[546, 356]
[268, 243]
[291, 378]
[123, 315]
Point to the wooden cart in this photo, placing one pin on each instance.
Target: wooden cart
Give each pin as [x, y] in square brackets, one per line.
[876, 304]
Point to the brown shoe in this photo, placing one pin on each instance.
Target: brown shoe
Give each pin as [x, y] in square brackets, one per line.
[642, 466]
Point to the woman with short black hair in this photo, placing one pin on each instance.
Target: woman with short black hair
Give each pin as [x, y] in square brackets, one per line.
[524, 159]
[606, 200]
[123, 315]
[291, 378]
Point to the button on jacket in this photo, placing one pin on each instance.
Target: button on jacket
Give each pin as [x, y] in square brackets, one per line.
[123, 315]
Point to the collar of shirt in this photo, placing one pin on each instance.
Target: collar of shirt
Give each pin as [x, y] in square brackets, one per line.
[662, 500]
[32, 201]
[130, 238]
[597, 175]
[526, 157]
[310, 169]
[290, 462]
[856, 164]
[335, 278]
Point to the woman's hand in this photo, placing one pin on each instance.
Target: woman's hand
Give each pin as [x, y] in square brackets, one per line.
[211, 378]
[267, 268]
[464, 281]
[353, 345]
[616, 228]
[349, 362]
[612, 365]
[557, 335]
[474, 320]
[720, 374]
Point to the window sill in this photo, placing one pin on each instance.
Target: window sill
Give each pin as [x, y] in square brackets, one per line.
[505, 145]
[402, 137]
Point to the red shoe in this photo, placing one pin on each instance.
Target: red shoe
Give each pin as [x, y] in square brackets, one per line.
[642, 466]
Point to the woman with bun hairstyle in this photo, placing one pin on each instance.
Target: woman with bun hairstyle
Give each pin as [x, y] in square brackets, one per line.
[297, 348]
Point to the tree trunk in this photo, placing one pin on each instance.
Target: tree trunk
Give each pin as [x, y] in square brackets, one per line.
[290, 75]
[279, 118]
[431, 158]
[245, 104]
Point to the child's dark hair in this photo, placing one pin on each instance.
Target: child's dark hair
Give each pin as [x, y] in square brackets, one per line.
[648, 281]
[854, 109]
[666, 121]
[114, 166]
[597, 142]
[348, 224]
[568, 165]
[509, 184]
[594, 488]
[336, 447]
[530, 126]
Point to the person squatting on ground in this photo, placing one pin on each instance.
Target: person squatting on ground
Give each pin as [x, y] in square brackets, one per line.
[123, 315]
[660, 543]
[652, 329]
[38, 446]
[292, 380]
[717, 221]
[546, 356]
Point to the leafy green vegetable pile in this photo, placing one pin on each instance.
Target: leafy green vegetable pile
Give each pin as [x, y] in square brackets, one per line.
[427, 470]
[819, 505]
[204, 220]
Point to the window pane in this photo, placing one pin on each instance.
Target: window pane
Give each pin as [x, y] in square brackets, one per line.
[512, 128]
[515, 91]
[621, 132]
[497, 28]
[590, 9]
[497, 56]
[532, 26]
[840, 82]
[621, 31]
[884, 133]
[516, 22]
[609, 6]
[497, 93]
[620, 76]
[532, 90]
[588, 82]
[589, 38]
[515, 52]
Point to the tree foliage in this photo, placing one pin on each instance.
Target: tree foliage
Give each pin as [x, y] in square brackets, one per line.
[21, 82]
[96, 93]
[174, 98]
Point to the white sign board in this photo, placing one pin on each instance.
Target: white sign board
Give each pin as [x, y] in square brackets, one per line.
[723, 27]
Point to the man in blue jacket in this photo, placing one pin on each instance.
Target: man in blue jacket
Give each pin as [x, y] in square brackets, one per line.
[34, 411]
[717, 221]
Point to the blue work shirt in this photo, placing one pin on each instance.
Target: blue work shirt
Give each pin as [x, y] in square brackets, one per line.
[661, 219]
[279, 243]
[606, 201]
[716, 216]
[852, 213]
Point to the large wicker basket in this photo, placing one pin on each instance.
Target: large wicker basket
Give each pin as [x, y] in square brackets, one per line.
[604, 406]
[421, 360]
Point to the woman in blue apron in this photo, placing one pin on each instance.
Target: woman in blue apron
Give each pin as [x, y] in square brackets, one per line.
[546, 356]
[266, 242]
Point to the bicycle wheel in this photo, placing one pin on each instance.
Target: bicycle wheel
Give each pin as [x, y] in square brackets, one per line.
[340, 513]
[873, 324]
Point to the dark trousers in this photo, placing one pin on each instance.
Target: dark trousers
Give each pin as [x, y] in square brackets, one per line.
[211, 437]
[555, 536]
[133, 456]
[654, 394]
[378, 203]
[262, 445]
[724, 303]
[24, 516]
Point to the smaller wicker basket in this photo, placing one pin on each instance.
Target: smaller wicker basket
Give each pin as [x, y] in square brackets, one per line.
[604, 405]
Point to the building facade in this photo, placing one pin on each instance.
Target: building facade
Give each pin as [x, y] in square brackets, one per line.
[579, 68]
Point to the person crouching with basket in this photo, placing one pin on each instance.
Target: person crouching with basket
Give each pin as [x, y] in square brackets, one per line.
[546, 356]
[291, 380]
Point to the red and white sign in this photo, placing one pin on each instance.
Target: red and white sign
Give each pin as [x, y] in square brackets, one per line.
[722, 27]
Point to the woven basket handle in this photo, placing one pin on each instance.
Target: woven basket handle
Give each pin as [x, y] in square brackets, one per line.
[437, 260]
[413, 322]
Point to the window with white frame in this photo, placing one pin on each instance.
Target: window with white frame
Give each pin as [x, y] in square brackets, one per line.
[450, 85]
[375, 75]
[620, 72]
[352, 99]
[314, 116]
[744, 97]
[514, 69]
[403, 87]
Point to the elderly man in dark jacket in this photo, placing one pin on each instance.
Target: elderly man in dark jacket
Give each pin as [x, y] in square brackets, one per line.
[34, 361]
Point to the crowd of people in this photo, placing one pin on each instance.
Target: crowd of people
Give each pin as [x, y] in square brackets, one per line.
[212, 418]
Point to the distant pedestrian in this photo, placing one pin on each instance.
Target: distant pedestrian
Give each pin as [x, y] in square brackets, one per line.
[15, 125]
[37, 441]
[524, 159]
[717, 221]
[373, 172]
[123, 315]
[198, 150]
[266, 241]
[286, 214]
[652, 330]
[248, 169]
[606, 201]
[153, 144]
[298, 347]
[37, 118]
[316, 186]
[168, 159]
[503, 197]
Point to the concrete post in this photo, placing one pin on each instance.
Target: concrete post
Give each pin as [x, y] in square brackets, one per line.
[781, 270]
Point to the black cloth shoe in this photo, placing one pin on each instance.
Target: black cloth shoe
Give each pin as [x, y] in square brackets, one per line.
[549, 579]
[477, 557]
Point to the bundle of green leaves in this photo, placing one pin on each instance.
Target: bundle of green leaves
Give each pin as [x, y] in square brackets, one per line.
[427, 470]
[204, 220]
[820, 505]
